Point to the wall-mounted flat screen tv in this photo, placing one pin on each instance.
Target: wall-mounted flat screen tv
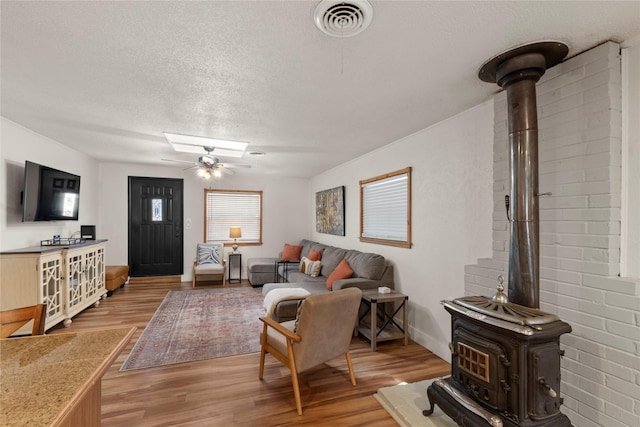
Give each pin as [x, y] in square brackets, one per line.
[49, 194]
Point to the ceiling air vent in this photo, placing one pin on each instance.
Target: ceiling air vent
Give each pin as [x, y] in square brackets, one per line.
[343, 18]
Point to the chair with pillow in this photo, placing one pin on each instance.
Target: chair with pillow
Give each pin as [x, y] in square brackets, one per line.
[209, 262]
[322, 331]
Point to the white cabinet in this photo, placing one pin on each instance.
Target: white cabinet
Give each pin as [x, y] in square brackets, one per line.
[83, 279]
[67, 279]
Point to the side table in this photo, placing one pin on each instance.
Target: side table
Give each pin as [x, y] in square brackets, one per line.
[389, 329]
[235, 262]
[285, 270]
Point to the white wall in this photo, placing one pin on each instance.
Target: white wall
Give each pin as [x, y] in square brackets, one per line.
[285, 210]
[451, 214]
[18, 144]
[580, 152]
[103, 199]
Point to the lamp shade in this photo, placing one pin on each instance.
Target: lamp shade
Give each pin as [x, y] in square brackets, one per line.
[235, 232]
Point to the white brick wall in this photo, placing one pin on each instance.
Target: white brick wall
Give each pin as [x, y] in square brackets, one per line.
[579, 113]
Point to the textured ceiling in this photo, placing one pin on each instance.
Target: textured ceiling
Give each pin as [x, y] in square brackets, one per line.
[107, 78]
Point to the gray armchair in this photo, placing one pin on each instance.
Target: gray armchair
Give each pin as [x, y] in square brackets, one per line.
[322, 331]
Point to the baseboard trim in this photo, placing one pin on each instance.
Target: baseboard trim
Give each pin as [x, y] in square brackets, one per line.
[155, 279]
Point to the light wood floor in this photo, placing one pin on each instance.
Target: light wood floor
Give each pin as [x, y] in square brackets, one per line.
[226, 391]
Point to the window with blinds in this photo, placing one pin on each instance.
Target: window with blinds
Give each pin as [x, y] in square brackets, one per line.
[225, 209]
[385, 209]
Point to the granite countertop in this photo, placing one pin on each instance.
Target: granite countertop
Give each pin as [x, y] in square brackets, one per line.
[40, 375]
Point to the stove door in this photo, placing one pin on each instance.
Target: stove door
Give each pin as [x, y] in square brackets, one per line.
[544, 379]
[480, 367]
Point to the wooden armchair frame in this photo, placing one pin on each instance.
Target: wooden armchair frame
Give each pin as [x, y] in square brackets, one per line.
[12, 320]
[223, 274]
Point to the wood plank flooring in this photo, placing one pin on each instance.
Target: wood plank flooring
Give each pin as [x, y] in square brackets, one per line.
[226, 391]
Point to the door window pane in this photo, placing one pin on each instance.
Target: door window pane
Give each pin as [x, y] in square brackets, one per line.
[156, 209]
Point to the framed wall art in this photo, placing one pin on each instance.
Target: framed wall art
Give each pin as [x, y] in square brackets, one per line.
[330, 211]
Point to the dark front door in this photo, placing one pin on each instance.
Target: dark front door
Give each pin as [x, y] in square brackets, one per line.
[155, 227]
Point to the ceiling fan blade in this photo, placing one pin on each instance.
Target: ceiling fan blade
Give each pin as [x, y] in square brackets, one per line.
[178, 161]
[234, 165]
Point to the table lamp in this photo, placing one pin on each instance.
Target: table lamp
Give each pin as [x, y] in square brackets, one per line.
[235, 233]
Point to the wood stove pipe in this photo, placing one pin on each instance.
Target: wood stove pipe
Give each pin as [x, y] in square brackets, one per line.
[517, 71]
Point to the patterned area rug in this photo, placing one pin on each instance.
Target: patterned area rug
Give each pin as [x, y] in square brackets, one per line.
[200, 324]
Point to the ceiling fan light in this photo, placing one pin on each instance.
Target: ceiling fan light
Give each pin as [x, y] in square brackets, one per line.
[217, 173]
[204, 173]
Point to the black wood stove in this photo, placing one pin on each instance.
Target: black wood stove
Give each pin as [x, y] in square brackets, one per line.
[505, 365]
[505, 356]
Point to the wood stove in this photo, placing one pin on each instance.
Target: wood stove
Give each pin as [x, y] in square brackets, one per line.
[505, 356]
[505, 365]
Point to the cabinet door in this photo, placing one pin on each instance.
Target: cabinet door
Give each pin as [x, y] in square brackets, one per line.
[94, 272]
[74, 281]
[50, 268]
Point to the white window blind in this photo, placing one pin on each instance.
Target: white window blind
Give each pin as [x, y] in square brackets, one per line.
[385, 204]
[226, 209]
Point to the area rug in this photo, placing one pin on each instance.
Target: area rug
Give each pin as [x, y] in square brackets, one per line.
[199, 324]
[405, 403]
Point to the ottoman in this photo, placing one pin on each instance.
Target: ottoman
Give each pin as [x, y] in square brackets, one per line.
[115, 277]
[261, 270]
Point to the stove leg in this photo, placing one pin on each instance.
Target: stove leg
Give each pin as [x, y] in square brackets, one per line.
[429, 411]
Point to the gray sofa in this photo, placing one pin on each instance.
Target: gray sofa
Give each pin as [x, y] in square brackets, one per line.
[370, 271]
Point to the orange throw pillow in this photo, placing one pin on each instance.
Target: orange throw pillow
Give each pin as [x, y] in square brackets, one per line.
[314, 255]
[342, 271]
[291, 253]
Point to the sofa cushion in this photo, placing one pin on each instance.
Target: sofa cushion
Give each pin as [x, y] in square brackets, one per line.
[209, 269]
[291, 252]
[342, 271]
[331, 257]
[366, 265]
[306, 246]
[262, 265]
[295, 276]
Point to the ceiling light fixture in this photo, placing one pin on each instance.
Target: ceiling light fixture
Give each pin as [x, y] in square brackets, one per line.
[339, 18]
[204, 173]
[197, 144]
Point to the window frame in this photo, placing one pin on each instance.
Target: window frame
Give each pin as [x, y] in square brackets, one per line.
[227, 241]
[381, 241]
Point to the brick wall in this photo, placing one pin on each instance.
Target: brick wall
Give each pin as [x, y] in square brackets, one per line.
[579, 113]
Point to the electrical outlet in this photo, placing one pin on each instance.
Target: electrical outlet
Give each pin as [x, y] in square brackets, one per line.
[188, 224]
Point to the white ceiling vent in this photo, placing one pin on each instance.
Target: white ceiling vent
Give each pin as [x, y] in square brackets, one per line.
[343, 18]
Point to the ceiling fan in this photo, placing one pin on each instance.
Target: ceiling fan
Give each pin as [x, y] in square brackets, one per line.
[209, 165]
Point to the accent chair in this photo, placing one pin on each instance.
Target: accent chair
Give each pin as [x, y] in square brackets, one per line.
[321, 331]
[209, 262]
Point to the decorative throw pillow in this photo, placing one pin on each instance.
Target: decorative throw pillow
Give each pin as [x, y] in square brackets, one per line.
[309, 267]
[209, 254]
[342, 271]
[314, 255]
[291, 253]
